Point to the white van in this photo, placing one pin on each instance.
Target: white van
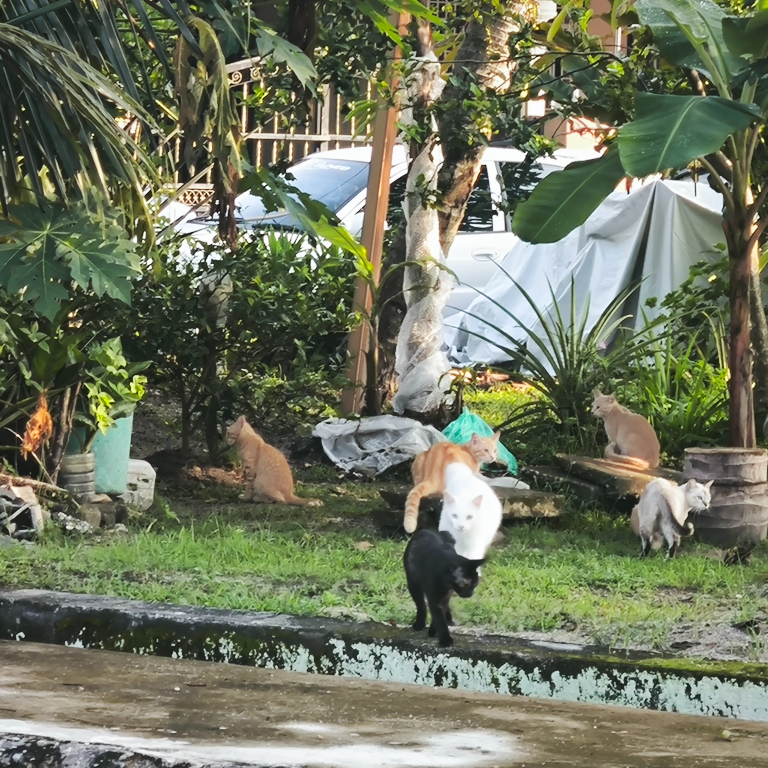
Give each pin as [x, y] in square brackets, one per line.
[338, 178]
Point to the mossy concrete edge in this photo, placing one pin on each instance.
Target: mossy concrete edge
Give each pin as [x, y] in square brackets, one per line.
[369, 650]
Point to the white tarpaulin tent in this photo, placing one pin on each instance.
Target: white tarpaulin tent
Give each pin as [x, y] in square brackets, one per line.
[656, 233]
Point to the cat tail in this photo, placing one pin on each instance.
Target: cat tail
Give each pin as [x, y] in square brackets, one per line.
[411, 516]
[631, 461]
[301, 502]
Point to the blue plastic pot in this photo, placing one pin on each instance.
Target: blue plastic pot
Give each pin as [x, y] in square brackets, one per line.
[111, 451]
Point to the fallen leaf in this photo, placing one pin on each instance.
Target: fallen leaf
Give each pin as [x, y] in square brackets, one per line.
[363, 545]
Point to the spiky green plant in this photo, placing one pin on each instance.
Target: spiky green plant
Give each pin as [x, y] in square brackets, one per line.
[565, 362]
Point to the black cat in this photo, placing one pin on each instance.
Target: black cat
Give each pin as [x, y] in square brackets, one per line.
[434, 570]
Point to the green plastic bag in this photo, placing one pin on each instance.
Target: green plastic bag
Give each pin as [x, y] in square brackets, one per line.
[461, 430]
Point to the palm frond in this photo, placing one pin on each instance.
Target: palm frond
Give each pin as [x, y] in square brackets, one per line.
[59, 114]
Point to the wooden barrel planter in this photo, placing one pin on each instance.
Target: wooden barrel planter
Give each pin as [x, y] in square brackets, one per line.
[738, 514]
[77, 475]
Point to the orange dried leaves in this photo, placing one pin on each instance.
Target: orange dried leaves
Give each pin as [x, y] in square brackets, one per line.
[39, 427]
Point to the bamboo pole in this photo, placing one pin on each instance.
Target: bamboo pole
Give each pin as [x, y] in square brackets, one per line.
[372, 237]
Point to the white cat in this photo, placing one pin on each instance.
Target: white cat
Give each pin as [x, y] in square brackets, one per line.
[471, 511]
[662, 512]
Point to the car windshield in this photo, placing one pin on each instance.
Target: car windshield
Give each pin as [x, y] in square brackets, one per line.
[332, 182]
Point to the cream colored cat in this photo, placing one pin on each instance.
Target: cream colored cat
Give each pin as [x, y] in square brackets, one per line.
[631, 438]
[662, 512]
[267, 474]
[429, 470]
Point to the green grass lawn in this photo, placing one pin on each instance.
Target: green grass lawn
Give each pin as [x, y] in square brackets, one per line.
[579, 572]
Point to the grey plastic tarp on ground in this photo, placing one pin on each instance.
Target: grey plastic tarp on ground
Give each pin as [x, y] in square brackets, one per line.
[371, 445]
[655, 233]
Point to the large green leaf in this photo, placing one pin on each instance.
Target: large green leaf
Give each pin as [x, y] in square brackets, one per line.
[270, 44]
[44, 251]
[747, 37]
[671, 131]
[702, 20]
[564, 200]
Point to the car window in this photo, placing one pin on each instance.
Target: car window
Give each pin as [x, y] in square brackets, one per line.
[480, 209]
[519, 179]
[332, 182]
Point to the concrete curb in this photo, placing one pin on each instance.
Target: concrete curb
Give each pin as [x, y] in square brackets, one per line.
[489, 664]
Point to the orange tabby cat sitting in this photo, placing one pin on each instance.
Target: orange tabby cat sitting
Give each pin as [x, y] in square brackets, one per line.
[429, 470]
[267, 474]
[631, 438]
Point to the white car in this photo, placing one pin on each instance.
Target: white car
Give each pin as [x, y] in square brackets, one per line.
[338, 178]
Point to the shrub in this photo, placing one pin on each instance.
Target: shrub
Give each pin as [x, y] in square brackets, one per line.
[683, 396]
[218, 326]
[82, 371]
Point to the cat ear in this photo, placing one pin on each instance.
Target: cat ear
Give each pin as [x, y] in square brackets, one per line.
[477, 563]
[478, 501]
[475, 438]
[448, 499]
[240, 421]
[691, 484]
[597, 393]
[611, 398]
[496, 435]
[709, 484]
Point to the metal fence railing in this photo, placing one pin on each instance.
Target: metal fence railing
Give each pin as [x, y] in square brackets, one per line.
[327, 128]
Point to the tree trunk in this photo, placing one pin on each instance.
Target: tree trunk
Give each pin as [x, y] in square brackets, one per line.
[186, 423]
[483, 59]
[212, 438]
[759, 332]
[392, 312]
[742, 414]
[65, 421]
[460, 169]
[302, 25]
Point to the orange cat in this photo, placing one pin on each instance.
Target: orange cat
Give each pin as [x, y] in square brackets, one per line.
[267, 474]
[429, 470]
[631, 438]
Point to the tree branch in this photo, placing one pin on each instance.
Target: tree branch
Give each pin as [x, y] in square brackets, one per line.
[753, 139]
[754, 209]
[721, 164]
[759, 229]
[695, 80]
[39, 484]
[715, 176]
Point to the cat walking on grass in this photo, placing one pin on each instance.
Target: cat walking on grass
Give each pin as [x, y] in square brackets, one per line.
[435, 572]
[662, 512]
[429, 470]
[471, 511]
[268, 477]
